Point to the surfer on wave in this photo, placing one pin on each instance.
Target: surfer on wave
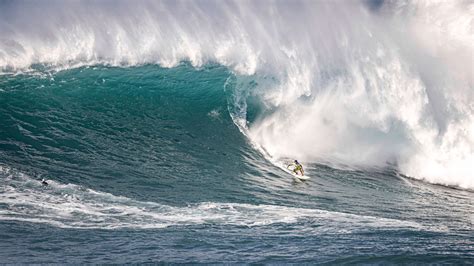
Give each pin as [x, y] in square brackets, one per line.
[297, 167]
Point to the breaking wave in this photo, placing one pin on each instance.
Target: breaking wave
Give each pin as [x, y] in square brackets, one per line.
[365, 83]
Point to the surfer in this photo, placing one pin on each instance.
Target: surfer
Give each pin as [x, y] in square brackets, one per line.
[297, 168]
[43, 182]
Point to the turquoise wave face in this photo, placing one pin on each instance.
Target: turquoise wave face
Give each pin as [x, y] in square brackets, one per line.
[142, 127]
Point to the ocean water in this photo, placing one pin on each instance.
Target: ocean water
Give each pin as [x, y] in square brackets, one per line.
[163, 128]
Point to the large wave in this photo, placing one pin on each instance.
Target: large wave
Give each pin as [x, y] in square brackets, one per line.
[360, 83]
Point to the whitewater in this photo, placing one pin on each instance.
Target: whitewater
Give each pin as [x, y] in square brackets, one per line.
[162, 128]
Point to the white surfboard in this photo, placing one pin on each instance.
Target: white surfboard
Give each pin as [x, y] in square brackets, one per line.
[298, 176]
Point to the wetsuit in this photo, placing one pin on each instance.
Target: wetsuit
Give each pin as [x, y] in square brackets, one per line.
[298, 167]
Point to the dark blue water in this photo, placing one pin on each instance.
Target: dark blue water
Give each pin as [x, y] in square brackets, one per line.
[145, 164]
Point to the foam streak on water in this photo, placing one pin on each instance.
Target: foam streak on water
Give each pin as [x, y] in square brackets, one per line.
[71, 206]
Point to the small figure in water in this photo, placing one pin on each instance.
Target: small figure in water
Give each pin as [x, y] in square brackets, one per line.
[43, 182]
[297, 168]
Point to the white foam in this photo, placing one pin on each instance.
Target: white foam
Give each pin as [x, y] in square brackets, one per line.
[70, 206]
